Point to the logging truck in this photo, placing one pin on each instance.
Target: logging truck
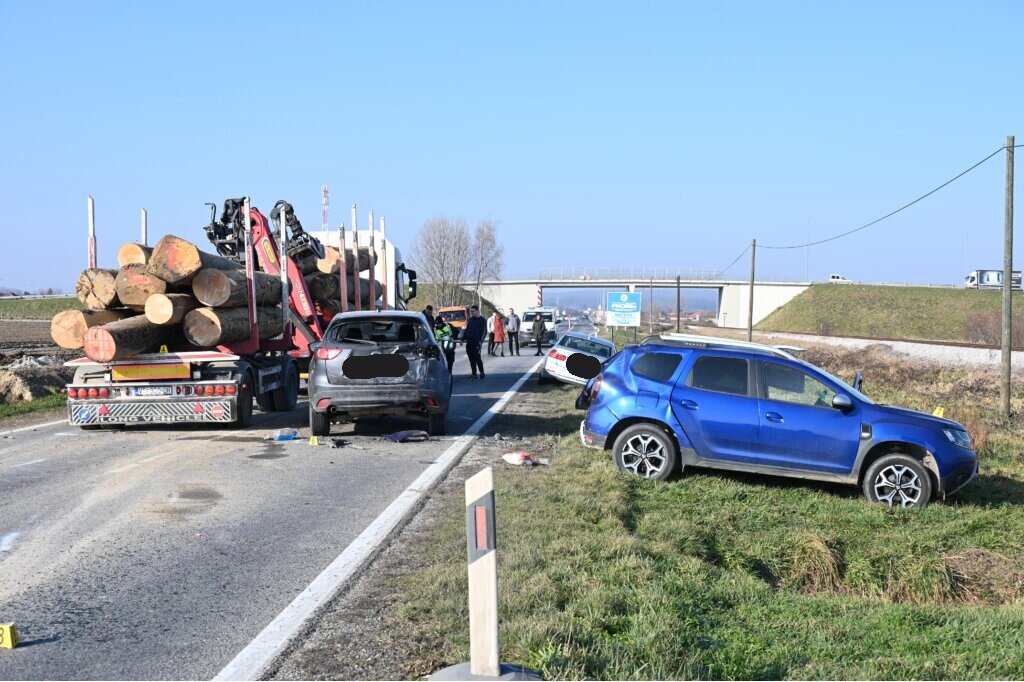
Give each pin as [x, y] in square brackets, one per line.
[197, 337]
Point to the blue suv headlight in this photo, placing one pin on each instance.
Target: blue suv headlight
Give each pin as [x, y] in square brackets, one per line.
[958, 437]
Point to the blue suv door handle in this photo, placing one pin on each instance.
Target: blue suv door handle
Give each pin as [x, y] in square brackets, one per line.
[773, 417]
[688, 404]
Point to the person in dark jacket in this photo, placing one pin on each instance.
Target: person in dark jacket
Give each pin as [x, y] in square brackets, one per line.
[539, 331]
[473, 335]
[428, 313]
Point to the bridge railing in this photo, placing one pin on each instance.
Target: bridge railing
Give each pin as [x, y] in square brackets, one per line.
[584, 274]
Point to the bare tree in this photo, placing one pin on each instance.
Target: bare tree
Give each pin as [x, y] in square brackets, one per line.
[441, 252]
[487, 256]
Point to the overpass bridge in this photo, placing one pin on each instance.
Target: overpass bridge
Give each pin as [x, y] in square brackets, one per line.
[733, 294]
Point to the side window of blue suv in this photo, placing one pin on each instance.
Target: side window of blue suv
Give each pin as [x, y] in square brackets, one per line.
[791, 385]
[657, 366]
[721, 375]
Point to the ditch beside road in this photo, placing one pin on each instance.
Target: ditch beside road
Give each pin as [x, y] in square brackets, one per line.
[710, 575]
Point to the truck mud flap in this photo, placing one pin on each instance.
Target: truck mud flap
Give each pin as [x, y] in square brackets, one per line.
[218, 411]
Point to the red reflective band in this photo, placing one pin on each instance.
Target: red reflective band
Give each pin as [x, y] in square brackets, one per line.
[322, 403]
[481, 526]
[327, 353]
[104, 392]
[231, 389]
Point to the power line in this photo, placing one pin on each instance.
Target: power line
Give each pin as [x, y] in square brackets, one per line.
[889, 215]
[723, 270]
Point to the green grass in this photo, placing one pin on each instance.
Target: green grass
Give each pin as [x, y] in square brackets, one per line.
[717, 575]
[894, 312]
[50, 402]
[36, 309]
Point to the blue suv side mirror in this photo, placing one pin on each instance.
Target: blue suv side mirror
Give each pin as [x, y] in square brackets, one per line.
[842, 402]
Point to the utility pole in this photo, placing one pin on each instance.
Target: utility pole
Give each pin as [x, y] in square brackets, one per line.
[652, 305]
[679, 310]
[750, 309]
[1007, 281]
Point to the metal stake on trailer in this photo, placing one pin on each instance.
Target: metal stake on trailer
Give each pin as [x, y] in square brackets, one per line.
[373, 267]
[250, 272]
[145, 228]
[384, 255]
[92, 233]
[343, 249]
[355, 260]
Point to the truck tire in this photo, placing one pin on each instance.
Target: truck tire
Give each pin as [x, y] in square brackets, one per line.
[266, 400]
[438, 424]
[286, 395]
[319, 424]
[243, 416]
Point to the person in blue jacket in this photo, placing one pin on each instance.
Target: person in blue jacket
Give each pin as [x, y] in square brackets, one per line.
[473, 336]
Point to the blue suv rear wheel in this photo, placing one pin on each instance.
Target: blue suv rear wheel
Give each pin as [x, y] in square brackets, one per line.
[646, 451]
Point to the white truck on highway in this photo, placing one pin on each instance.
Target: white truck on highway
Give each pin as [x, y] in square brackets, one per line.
[991, 279]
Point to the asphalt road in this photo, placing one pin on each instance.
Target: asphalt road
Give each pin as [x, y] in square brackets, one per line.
[161, 553]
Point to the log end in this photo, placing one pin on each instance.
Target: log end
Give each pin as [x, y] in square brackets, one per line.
[68, 329]
[202, 328]
[100, 345]
[212, 287]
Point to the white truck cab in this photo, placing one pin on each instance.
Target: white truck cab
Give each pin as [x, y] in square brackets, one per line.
[838, 279]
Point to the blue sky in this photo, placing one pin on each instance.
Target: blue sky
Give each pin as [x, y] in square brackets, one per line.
[596, 134]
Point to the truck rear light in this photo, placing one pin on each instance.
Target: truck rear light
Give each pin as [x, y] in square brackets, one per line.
[231, 389]
[197, 390]
[219, 390]
[93, 393]
[104, 392]
[208, 390]
[72, 392]
[327, 353]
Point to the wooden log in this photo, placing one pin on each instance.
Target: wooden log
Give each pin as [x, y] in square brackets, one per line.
[177, 261]
[135, 284]
[325, 288]
[307, 264]
[123, 339]
[96, 288]
[331, 262]
[68, 327]
[230, 288]
[133, 253]
[166, 309]
[208, 327]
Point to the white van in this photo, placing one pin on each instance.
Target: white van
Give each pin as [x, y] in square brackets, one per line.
[838, 279]
[548, 314]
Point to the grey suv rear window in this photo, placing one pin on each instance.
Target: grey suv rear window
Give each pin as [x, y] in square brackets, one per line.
[723, 375]
[657, 366]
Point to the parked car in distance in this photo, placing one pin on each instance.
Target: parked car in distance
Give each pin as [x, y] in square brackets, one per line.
[838, 279]
[678, 400]
[557, 366]
[455, 315]
[548, 314]
[378, 363]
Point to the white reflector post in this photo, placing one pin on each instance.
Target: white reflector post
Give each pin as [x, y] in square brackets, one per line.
[482, 554]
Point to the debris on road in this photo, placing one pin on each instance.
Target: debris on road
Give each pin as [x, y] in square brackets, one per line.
[408, 436]
[525, 459]
[284, 434]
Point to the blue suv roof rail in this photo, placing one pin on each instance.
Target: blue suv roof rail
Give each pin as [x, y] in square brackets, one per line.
[697, 341]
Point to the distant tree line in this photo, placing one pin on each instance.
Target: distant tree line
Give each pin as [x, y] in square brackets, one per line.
[446, 254]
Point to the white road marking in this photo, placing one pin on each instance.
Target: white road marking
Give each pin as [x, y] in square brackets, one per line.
[7, 542]
[173, 499]
[34, 427]
[25, 464]
[132, 465]
[255, 658]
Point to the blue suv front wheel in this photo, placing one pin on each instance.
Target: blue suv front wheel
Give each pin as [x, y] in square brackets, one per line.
[646, 451]
[899, 481]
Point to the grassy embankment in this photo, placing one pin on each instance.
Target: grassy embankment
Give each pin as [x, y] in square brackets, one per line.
[915, 313]
[36, 308]
[717, 575]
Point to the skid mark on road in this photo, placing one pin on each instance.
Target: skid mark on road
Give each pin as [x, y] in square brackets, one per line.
[134, 464]
[7, 541]
[25, 464]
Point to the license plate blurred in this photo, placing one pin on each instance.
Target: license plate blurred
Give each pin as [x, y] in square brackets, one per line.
[154, 390]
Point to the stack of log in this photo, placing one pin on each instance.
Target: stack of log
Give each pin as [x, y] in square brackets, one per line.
[173, 292]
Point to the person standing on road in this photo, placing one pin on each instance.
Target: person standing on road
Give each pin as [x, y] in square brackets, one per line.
[473, 335]
[499, 333]
[512, 324]
[490, 333]
[445, 338]
[539, 330]
[428, 313]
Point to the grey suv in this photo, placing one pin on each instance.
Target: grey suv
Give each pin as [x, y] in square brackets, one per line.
[378, 363]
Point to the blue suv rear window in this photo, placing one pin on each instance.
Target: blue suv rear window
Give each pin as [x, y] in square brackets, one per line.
[723, 375]
[657, 366]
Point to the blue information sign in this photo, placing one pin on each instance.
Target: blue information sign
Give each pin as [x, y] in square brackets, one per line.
[623, 309]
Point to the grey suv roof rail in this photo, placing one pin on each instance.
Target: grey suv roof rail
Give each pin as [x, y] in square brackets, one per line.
[696, 341]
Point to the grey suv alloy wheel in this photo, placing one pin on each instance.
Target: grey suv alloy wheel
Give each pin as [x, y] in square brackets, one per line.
[898, 480]
[646, 451]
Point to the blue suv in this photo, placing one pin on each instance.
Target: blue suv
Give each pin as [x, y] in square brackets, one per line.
[679, 400]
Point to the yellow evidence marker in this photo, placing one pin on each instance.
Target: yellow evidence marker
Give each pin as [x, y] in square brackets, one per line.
[939, 412]
[314, 440]
[8, 636]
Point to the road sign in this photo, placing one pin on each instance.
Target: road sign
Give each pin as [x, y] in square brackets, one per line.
[623, 309]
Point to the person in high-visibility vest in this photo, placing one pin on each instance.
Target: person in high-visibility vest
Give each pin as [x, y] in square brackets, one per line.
[445, 337]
